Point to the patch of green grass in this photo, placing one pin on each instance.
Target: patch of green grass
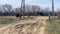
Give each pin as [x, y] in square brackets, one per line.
[7, 20]
[53, 27]
[11, 19]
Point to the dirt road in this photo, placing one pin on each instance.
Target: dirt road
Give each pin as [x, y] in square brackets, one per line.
[34, 26]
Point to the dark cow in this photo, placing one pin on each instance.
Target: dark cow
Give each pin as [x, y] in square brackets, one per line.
[40, 13]
[18, 15]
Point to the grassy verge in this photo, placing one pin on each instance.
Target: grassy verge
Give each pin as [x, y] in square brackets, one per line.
[53, 27]
[7, 20]
[11, 19]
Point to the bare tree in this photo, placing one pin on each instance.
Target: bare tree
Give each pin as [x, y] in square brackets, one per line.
[35, 9]
[23, 7]
[7, 8]
[28, 9]
[53, 15]
[58, 13]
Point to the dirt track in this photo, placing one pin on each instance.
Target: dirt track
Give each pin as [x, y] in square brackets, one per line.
[22, 27]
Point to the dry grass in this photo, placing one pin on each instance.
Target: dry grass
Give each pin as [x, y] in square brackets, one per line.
[53, 27]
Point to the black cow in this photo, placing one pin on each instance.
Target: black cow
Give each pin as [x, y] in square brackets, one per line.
[40, 13]
[18, 15]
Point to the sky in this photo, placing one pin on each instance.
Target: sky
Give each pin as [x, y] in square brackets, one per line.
[41, 3]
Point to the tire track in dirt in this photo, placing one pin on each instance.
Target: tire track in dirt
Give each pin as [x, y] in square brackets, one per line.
[42, 28]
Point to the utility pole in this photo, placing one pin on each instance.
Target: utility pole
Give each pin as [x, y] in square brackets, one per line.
[23, 7]
[53, 14]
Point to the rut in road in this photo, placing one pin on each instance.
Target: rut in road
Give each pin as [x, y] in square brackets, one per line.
[36, 26]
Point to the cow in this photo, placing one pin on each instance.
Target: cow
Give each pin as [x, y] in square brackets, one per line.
[18, 15]
[40, 13]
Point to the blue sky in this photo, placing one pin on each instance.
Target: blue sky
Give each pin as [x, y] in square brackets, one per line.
[41, 3]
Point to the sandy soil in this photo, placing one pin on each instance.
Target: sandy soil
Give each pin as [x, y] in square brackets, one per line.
[34, 26]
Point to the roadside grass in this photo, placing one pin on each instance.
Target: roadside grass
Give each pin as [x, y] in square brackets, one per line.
[52, 27]
[7, 19]
[12, 19]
